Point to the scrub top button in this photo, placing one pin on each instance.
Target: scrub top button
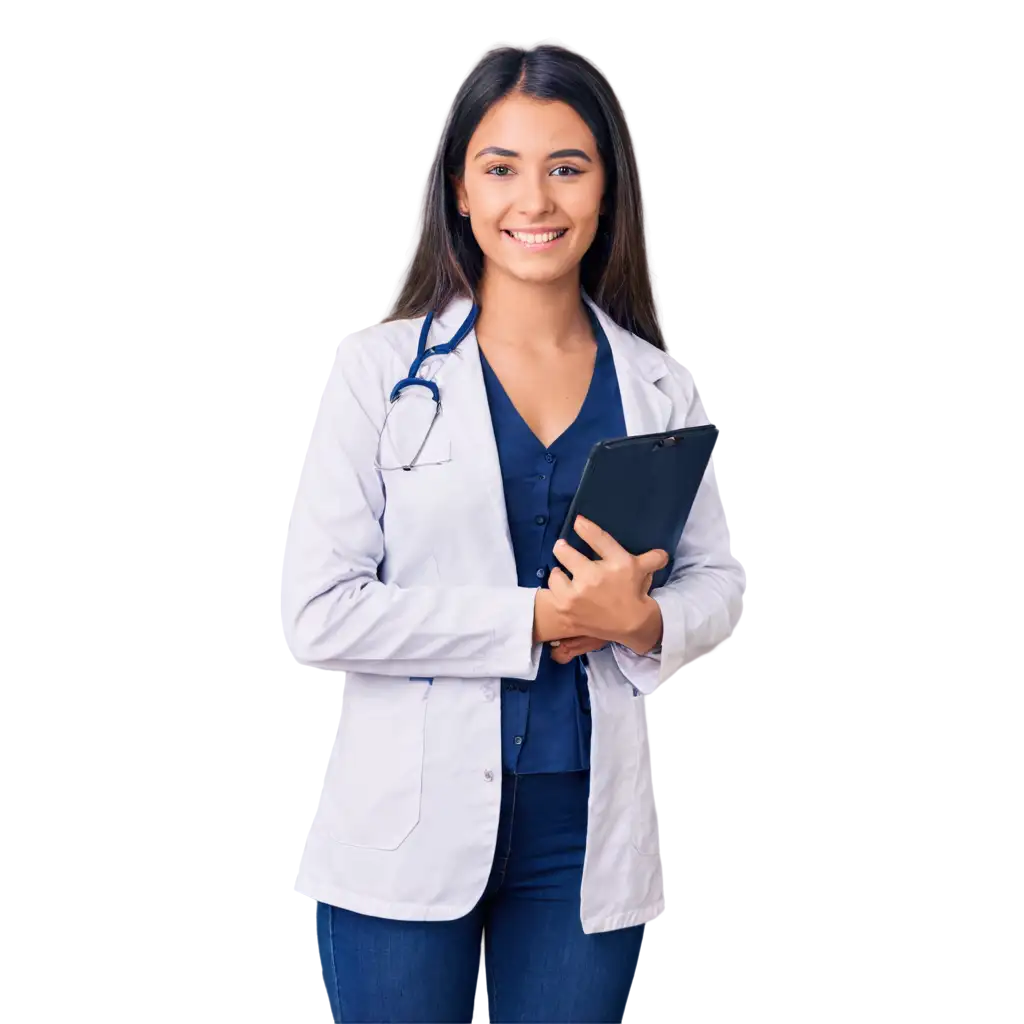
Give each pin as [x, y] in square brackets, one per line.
[540, 520]
[540, 573]
[548, 457]
[519, 739]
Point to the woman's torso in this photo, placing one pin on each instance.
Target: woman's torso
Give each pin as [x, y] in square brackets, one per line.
[546, 721]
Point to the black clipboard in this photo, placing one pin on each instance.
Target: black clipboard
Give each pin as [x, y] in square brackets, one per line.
[640, 489]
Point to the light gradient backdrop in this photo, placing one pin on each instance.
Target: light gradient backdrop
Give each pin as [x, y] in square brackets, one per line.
[200, 199]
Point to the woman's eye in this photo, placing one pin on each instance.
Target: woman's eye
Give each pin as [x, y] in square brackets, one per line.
[503, 171]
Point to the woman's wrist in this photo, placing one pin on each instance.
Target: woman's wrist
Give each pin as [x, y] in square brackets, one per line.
[643, 633]
[647, 632]
[548, 622]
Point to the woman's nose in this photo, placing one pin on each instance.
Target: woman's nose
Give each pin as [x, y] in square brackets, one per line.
[535, 197]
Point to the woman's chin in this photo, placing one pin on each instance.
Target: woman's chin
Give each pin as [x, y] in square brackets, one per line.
[536, 273]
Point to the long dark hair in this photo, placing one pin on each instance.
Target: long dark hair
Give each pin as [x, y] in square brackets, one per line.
[448, 261]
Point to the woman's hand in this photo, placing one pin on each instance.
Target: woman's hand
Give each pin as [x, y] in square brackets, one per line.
[571, 647]
[607, 597]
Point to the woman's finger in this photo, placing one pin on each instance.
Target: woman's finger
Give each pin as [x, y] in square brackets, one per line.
[601, 541]
[650, 561]
[562, 650]
[558, 582]
[573, 560]
[572, 647]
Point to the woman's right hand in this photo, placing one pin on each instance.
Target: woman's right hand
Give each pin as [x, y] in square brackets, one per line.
[563, 651]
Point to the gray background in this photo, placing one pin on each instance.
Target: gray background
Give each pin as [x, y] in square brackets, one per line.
[192, 205]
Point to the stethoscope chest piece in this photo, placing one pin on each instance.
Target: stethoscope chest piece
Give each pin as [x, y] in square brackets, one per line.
[414, 406]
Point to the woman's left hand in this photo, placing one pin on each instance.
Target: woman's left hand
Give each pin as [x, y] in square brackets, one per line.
[607, 597]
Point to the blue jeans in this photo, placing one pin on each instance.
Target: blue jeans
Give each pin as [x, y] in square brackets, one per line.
[539, 964]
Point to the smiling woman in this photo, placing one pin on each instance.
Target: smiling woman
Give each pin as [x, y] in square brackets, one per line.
[493, 736]
[540, 192]
[536, 141]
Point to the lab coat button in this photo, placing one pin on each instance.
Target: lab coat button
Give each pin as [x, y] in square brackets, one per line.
[488, 695]
[489, 775]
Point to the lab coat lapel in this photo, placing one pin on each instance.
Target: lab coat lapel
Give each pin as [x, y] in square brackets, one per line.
[459, 375]
[645, 408]
[474, 449]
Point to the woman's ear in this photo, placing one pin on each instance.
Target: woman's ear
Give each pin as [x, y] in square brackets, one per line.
[460, 194]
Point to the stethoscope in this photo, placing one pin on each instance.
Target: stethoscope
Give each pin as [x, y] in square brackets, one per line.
[422, 353]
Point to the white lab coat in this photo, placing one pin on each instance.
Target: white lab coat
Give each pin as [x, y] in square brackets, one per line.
[398, 577]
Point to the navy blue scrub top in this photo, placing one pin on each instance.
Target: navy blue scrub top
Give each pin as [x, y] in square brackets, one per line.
[545, 722]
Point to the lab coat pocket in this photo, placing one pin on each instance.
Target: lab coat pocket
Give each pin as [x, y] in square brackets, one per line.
[645, 817]
[416, 497]
[376, 770]
[415, 434]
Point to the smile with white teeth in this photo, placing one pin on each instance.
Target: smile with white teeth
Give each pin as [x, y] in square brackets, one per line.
[529, 239]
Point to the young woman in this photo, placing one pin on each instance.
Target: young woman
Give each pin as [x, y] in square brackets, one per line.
[491, 774]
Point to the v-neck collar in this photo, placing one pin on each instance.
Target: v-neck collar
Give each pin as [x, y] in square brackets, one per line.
[602, 351]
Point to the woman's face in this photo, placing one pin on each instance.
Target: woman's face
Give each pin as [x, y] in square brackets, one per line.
[532, 165]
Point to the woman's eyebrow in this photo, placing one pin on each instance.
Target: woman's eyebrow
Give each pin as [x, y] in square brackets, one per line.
[558, 154]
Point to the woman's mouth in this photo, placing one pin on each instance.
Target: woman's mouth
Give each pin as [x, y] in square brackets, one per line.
[535, 241]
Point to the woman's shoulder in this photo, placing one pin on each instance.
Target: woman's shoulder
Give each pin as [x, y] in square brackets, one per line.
[378, 355]
[659, 365]
[383, 344]
[673, 372]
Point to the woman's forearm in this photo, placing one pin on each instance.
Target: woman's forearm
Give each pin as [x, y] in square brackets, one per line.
[548, 622]
[648, 630]
[641, 634]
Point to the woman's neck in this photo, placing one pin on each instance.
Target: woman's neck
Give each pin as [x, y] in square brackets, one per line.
[529, 316]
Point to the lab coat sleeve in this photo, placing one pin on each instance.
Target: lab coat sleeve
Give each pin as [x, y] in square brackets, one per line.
[702, 599]
[337, 613]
